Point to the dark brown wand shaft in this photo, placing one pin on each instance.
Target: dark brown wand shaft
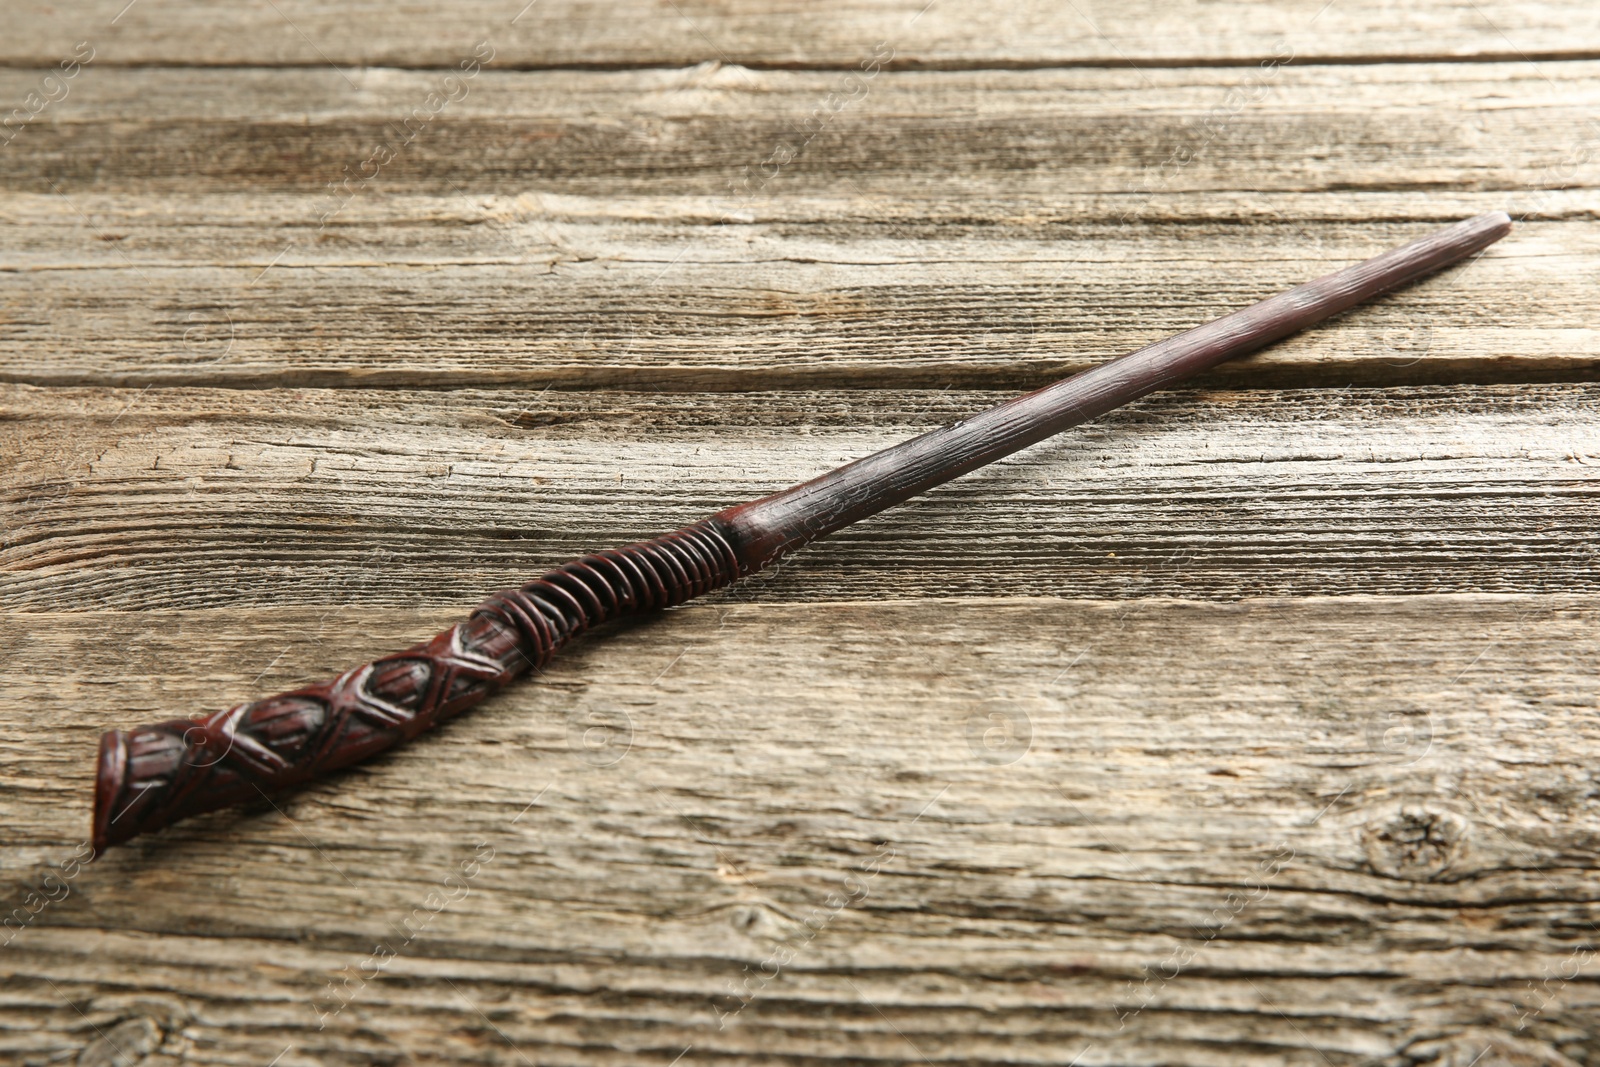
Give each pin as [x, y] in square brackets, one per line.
[151, 776]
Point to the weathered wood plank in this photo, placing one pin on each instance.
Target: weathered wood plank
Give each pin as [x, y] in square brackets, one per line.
[1268, 832]
[979, 229]
[1106, 831]
[707, 131]
[948, 33]
[192, 498]
[540, 291]
[544, 290]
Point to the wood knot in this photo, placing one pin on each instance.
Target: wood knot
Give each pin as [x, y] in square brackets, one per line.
[1416, 843]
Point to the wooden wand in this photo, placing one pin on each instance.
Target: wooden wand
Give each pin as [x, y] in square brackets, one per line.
[151, 776]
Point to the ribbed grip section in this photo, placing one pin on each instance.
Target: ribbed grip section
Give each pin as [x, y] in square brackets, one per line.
[152, 776]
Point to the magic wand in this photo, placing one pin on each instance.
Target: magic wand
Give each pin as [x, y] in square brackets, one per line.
[151, 776]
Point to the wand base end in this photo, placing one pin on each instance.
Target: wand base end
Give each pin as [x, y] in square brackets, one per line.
[110, 775]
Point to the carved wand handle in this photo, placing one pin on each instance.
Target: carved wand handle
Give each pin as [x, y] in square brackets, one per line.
[151, 776]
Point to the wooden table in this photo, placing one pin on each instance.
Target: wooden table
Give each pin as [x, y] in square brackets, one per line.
[1255, 724]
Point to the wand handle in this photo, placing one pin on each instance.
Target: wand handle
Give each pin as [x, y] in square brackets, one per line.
[152, 776]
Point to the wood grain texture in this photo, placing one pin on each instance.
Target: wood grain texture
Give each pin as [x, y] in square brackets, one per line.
[1421, 765]
[1072, 761]
[1058, 230]
[140, 500]
[541, 290]
[694, 131]
[949, 33]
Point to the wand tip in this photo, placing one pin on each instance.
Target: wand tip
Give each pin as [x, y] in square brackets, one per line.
[1498, 220]
[1484, 230]
[1477, 233]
